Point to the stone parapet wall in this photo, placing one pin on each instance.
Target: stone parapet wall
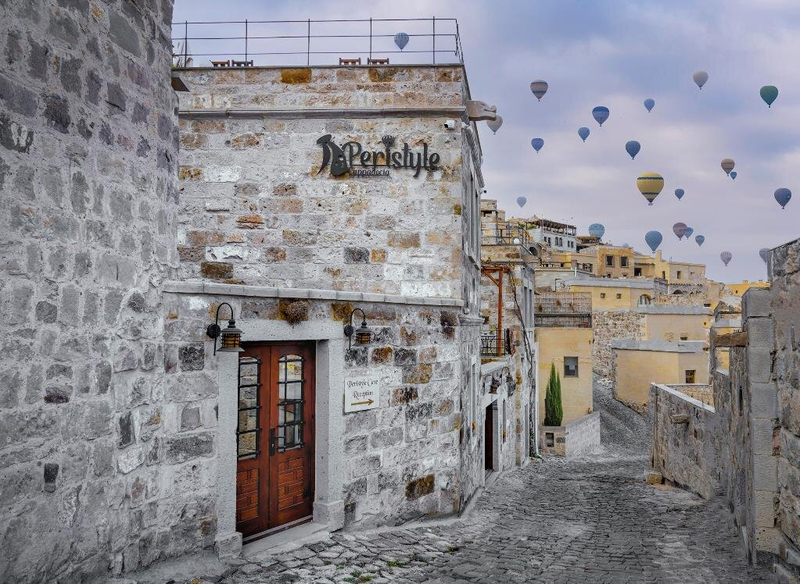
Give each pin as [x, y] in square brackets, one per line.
[783, 301]
[682, 451]
[91, 478]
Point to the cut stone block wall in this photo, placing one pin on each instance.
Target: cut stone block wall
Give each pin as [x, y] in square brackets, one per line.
[609, 325]
[784, 306]
[88, 155]
[682, 450]
[575, 439]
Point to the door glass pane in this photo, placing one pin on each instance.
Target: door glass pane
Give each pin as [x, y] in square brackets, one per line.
[291, 390]
[247, 429]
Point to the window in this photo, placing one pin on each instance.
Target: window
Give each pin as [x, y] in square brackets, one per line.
[619, 296]
[290, 402]
[663, 275]
[684, 338]
[570, 367]
[623, 262]
[602, 295]
[637, 272]
[690, 376]
[504, 420]
[679, 275]
[247, 429]
[644, 300]
[610, 261]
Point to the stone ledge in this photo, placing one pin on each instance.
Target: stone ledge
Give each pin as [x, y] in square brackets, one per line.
[217, 289]
[381, 112]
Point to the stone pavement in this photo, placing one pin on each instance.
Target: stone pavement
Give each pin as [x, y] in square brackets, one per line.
[592, 519]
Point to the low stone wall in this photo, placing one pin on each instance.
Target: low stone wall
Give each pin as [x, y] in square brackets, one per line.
[699, 391]
[682, 451]
[574, 439]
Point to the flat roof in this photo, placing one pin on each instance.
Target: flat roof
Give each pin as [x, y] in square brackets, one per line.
[612, 283]
[668, 309]
[658, 345]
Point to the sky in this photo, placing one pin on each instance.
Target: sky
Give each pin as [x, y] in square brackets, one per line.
[614, 53]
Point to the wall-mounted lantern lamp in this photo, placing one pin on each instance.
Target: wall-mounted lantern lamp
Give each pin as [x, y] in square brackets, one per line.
[363, 336]
[231, 336]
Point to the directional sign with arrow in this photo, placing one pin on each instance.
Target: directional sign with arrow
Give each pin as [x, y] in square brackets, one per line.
[361, 393]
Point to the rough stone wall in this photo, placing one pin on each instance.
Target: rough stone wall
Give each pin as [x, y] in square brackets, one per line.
[784, 300]
[682, 450]
[577, 438]
[402, 459]
[609, 325]
[257, 211]
[88, 150]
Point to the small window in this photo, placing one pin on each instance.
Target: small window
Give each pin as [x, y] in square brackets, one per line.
[684, 338]
[679, 274]
[690, 376]
[610, 261]
[570, 367]
[248, 428]
[602, 294]
[619, 296]
[291, 397]
[623, 261]
[549, 439]
[637, 272]
[644, 300]
[663, 275]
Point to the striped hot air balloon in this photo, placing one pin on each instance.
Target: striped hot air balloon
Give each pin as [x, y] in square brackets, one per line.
[539, 88]
[650, 185]
[727, 165]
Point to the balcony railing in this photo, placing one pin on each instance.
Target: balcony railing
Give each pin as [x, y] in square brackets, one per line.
[505, 234]
[561, 320]
[497, 345]
[248, 43]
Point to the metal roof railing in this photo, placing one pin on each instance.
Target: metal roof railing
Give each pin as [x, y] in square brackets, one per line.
[248, 43]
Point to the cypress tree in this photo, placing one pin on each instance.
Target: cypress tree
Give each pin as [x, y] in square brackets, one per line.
[553, 410]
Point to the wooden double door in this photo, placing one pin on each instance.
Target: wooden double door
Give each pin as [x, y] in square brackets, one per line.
[275, 437]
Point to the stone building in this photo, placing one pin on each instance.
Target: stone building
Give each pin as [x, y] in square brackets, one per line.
[127, 434]
[746, 446]
[508, 258]
[308, 194]
[94, 475]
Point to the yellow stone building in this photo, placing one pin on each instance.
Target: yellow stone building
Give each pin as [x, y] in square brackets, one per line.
[739, 288]
[640, 363]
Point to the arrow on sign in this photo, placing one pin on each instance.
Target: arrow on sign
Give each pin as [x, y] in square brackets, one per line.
[368, 402]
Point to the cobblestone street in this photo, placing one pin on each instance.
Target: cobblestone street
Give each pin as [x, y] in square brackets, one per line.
[587, 520]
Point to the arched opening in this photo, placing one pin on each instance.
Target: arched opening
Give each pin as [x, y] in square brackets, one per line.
[644, 300]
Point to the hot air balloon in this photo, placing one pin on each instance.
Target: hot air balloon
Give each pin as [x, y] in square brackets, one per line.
[597, 230]
[769, 93]
[727, 165]
[537, 144]
[649, 104]
[699, 239]
[764, 253]
[688, 233]
[679, 193]
[726, 257]
[521, 201]
[783, 196]
[700, 77]
[539, 88]
[650, 184]
[733, 175]
[495, 124]
[600, 114]
[401, 40]
[632, 147]
[583, 132]
[679, 229]
[653, 239]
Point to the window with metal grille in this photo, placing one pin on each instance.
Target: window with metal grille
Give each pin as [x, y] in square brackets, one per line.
[291, 385]
[248, 428]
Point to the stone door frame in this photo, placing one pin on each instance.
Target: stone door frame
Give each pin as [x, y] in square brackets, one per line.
[329, 447]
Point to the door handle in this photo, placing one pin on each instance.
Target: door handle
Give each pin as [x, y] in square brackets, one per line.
[271, 441]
